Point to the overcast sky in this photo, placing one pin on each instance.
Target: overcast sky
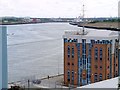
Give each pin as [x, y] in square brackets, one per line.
[58, 8]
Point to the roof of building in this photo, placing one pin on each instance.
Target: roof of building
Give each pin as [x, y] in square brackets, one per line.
[110, 83]
[92, 33]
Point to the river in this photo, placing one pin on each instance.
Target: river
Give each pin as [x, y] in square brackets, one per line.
[35, 50]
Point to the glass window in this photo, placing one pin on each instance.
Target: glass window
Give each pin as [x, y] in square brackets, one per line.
[68, 72]
[69, 80]
[68, 51]
[100, 67]
[68, 56]
[72, 72]
[65, 39]
[100, 77]
[116, 52]
[108, 76]
[68, 63]
[92, 41]
[96, 53]
[72, 52]
[72, 75]
[95, 77]
[101, 53]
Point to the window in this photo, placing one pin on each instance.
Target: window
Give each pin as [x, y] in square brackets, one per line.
[84, 53]
[96, 53]
[100, 53]
[68, 63]
[68, 80]
[72, 52]
[100, 77]
[68, 75]
[72, 72]
[68, 51]
[65, 39]
[98, 41]
[75, 40]
[100, 67]
[78, 52]
[95, 77]
[92, 41]
[108, 76]
[68, 72]
[72, 56]
[72, 64]
[116, 52]
[103, 41]
[68, 56]
[72, 75]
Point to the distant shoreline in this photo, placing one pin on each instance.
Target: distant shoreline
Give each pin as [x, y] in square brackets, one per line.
[29, 23]
[103, 28]
[20, 23]
[114, 26]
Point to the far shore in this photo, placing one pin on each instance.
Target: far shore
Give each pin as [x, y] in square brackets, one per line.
[28, 23]
[115, 26]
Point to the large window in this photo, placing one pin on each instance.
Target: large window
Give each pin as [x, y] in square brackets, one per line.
[68, 51]
[116, 52]
[84, 53]
[72, 52]
[72, 77]
[101, 53]
[100, 77]
[96, 53]
[95, 77]
[68, 75]
[108, 76]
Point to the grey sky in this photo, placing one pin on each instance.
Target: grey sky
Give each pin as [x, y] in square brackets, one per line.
[58, 8]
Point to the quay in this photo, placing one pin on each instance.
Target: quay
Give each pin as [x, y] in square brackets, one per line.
[55, 81]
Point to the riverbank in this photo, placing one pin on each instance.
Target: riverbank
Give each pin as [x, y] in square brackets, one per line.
[102, 25]
[55, 81]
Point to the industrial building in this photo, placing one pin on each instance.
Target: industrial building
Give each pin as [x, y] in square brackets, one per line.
[90, 56]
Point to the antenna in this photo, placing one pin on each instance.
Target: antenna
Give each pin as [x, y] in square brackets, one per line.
[83, 20]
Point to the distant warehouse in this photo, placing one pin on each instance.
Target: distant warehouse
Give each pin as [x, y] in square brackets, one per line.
[90, 57]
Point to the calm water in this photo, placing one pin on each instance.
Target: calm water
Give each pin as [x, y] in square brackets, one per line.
[36, 50]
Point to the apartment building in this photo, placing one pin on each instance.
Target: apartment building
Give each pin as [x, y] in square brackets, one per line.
[90, 57]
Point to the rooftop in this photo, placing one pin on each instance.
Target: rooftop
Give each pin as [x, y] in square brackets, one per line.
[92, 33]
[110, 83]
